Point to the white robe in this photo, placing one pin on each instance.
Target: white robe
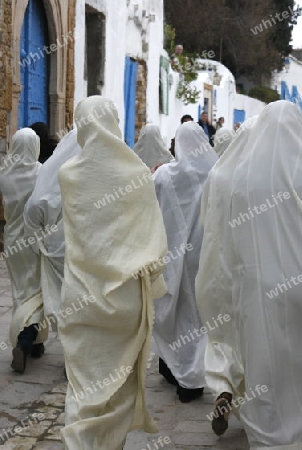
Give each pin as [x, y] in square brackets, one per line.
[17, 180]
[107, 245]
[150, 147]
[179, 187]
[222, 140]
[241, 264]
[214, 275]
[43, 210]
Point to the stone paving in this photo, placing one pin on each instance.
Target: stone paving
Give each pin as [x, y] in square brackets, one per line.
[32, 404]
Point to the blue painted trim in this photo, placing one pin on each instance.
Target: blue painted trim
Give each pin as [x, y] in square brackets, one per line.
[130, 83]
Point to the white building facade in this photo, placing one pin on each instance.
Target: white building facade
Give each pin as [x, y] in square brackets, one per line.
[119, 54]
[218, 97]
[118, 57]
[288, 82]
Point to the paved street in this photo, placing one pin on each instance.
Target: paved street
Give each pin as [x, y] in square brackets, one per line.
[32, 405]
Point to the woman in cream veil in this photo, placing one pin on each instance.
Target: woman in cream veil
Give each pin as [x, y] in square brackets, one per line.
[115, 238]
[17, 181]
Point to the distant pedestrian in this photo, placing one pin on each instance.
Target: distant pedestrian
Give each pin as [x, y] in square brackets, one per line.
[186, 118]
[179, 188]
[177, 51]
[220, 123]
[207, 127]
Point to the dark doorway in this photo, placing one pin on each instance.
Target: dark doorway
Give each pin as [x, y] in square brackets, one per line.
[95, 50]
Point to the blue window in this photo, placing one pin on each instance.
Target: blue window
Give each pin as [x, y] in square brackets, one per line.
[239, 116]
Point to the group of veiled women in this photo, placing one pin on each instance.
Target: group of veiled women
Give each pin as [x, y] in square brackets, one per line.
[200, 239]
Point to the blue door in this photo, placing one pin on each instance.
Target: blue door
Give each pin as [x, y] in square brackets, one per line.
[239, 116]
[34, 66]
[130, 82]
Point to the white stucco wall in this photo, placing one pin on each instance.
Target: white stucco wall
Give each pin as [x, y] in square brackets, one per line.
[116, 14]
[156, 42]
[292, 78]
[169, 124]
[127, 29]
[251, 106]
[226, 101]
[138, 33]
[225, 95]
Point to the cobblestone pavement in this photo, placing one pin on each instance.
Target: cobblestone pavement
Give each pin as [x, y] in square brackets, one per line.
[32, 404]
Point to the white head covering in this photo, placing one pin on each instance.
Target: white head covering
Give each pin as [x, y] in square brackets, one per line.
[18, 173]
[151, 148]
[113, 229]
[44, 206]
[44, 209]
[179, 187]
[17, 180]
[222, 140]
[106, 164]
[248, 259]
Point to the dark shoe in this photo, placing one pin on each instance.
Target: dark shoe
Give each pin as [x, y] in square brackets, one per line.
[37, 350]
[24, 347]
[188, 395]
[220, 422]
[19, 359]
[166, 372]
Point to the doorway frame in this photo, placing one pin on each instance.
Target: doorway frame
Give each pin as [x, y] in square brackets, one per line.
[57, 19]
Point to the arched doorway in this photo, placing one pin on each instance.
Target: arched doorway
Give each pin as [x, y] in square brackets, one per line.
[34, 66]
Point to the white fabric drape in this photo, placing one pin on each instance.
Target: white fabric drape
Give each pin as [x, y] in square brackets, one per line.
[114, 229]
[43, 210]
[249, 255]
[17, 180]
[179, 187]
[150, 147]
[214, 275]
[222, 140]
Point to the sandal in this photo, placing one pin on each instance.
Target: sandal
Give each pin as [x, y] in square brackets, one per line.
[223, 407]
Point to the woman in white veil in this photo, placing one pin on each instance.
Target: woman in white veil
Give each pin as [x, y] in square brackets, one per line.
[220, 355]
[150, 147]
[179, 188]
[17, 181]
[249, 268]
[223, 139]
[43, 210]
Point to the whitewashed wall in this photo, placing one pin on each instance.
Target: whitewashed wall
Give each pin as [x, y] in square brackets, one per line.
[124, 30]
[130, 32]
[292, 78]
[169, 124]
[251, 106]
[156, 42]
[226, 101]
[225, 95]
[116, 14]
